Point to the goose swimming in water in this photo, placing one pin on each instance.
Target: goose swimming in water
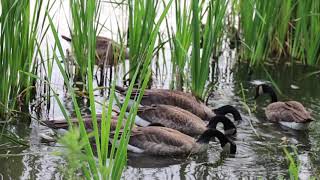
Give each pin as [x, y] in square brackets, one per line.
[291, 114]
[156, 140]
[181, 99]
[164, 141]
[63, 123]
[180, 119]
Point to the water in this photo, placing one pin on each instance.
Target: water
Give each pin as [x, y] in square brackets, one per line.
[260, 152]
[260, 143]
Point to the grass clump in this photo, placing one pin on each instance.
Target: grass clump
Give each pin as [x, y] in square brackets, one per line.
[213, 29]
[279, 30]
[21, 24]
[104, 162]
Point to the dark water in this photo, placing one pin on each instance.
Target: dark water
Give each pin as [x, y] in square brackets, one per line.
[260, 144]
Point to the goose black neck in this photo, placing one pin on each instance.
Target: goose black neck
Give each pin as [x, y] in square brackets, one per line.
[268, 90]
[228, 109]
[227, 123]
[211, 133]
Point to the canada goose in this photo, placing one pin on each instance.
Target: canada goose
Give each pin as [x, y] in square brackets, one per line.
[107, 51]
[180, 119]
[180, 99]
[291, 114]
[63, 124]
[155, 140]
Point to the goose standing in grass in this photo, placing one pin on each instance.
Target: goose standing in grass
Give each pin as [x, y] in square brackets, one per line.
[180, 99]
[291, 114]
[107, 51]
[180, 119]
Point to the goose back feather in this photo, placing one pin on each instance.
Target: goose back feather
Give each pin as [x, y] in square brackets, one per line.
[175, 98]
[290, 111]
[173, 117]
[163, 141]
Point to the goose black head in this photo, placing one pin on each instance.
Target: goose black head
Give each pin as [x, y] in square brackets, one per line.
[228, 109]
[228, 126]
[224, 141]
[266, 89]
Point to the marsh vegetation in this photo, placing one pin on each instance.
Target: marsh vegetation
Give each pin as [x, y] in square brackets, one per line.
[215, 50]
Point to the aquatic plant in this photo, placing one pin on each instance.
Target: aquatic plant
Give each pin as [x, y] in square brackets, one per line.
[141, 26]
[213, 29]
[294, 164]
[181, 39]
[110, 161]
[274, 29]
[82, 13]
[21, 24]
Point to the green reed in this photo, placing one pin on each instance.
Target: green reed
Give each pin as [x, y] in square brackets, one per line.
[83, 14]
[274, 29]
[211, 41]
[294, 164]
[21, 24]
[110, 161]
[182, 39]
[143, 30]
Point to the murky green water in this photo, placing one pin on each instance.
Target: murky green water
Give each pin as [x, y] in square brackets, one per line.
[260, 152]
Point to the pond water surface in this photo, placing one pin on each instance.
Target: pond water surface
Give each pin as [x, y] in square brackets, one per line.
[259, 143]
[260, 153]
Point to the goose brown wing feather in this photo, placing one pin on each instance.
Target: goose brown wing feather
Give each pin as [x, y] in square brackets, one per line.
[291, 111]
[298, 111]
[63, 124]
[174, 117]
[161, 140]
[170, 97]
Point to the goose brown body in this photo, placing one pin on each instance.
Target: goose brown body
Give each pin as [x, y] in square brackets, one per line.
[163, 141]
[173, 117]
[175, 98]
[155, 140]
[63, 124]
[107, 51]
[290, 111]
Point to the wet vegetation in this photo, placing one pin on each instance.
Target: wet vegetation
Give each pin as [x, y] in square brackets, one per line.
[183, 41]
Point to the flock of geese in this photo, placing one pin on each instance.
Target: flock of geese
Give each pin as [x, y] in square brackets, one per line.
[172, 122]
